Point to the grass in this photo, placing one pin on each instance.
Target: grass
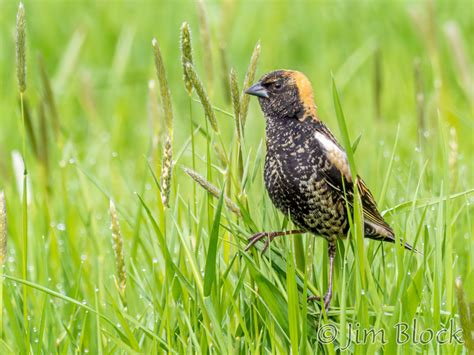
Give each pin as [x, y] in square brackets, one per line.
[403, 80]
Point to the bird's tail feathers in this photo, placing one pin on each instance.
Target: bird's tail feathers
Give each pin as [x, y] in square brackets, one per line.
[385, 234]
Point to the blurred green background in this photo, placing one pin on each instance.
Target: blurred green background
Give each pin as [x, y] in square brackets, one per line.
[111, 58]
[98, 55]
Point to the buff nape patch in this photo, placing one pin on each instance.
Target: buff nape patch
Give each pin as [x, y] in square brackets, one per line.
[305, 91]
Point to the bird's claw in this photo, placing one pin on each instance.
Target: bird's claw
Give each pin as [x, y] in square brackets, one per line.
[258, 236]
[327, 299]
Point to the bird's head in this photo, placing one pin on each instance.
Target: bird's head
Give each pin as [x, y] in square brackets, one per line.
[285, 93]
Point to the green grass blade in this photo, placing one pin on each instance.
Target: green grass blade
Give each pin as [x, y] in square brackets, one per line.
[85, 307]
[211, 260]
[293, 303]
[341, 121]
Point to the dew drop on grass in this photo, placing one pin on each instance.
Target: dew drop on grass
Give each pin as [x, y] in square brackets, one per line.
[155, 260]
[83, 257]
[362, 292]
[72, 161]
[96, 289]
[148, 186]
[61, 227]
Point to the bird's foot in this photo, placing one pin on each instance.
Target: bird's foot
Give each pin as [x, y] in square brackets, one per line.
[258, 236]
[327, 299]
[270, 236]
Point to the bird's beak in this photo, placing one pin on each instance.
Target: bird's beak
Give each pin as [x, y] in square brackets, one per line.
[257, 90]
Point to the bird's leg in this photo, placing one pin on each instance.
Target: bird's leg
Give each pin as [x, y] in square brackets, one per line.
[328, 295]
[270, 236]
[332, 255]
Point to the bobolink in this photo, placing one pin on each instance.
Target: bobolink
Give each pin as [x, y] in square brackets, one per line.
[307, 174]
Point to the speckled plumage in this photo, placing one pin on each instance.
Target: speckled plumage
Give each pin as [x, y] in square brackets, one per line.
[305, 165]
[295, 177]
[306, 169]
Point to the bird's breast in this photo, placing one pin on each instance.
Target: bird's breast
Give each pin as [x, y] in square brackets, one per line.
[295, 170]
[291, 168]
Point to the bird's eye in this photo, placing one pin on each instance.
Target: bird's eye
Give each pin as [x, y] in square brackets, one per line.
[277, 85]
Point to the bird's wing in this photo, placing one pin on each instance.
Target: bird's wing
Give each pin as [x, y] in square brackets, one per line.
[338, 175]
[371, 213]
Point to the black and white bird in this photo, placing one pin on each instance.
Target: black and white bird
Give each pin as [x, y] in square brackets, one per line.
[307, 174]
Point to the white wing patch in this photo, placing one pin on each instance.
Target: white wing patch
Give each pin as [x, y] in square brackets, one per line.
[335, 155]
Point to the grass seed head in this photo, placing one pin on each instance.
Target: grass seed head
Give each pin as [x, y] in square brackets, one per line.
[234, 90]
[203, 97]
[166, 172]
[213, 190]
[249, 79]
[186, 54]
[21, 48]
[164, 88]
[117, 245]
